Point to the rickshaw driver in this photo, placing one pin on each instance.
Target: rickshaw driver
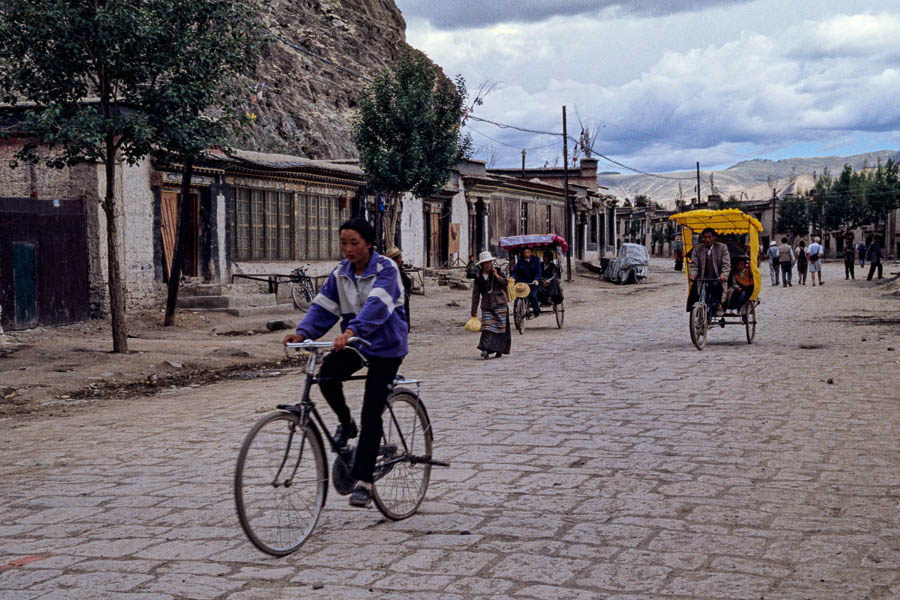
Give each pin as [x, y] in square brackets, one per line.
[711, 260]
[528, 270]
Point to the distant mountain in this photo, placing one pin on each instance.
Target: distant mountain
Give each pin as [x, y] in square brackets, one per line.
[753, 177]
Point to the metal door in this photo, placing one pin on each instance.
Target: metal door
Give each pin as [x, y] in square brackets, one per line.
[24, 272]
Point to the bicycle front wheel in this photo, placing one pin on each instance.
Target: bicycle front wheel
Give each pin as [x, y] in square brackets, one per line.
[519, 310]
[698, 325]
[401, 477]
[280, 483]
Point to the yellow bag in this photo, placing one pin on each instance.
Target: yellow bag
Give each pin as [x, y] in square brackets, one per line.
[473, 325]
[510, 289]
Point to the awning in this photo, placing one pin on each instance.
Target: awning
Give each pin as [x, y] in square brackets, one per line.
[728, 220]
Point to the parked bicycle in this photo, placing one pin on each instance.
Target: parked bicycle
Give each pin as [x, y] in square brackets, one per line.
[281, 479]
[302, 289]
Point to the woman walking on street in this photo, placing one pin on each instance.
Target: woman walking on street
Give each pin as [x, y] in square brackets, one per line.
[802, 263]
[489, 291]
[849, 260]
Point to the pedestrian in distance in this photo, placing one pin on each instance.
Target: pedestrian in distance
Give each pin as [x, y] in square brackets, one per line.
[489, 292]
[786, 261]
[874, 256]
[861, 254]
[802, 263]
[679, 259]
[396, 255]
[365, 292]
[773, 254]
[849, 260]
[815, 253]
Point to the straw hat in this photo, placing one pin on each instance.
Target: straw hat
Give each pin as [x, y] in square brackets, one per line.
[485, 257]
[522, 290]
[393, 252]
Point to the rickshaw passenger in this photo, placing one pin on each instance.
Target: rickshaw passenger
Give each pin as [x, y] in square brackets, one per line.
[550, 290]
[710, 260]
[740, 285]
[528, 270]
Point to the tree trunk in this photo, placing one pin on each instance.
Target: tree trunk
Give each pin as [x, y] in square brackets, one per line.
[116, 285]
[184, 211]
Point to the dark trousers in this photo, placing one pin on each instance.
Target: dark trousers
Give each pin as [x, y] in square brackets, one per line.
[336, 368]
[801, 272]
[848, 270]
[786, 273]
[533, 298]
[739, 298]
[875, 265]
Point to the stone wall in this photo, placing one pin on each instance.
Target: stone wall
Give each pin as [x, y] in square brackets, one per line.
[306, 105]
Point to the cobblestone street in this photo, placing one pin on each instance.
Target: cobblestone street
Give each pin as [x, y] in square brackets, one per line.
[609, 459]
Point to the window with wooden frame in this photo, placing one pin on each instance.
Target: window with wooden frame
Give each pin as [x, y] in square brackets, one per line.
[263, 225]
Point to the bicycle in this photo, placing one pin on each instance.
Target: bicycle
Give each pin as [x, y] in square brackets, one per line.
[302, 289]
[281, 477]
[702, 316]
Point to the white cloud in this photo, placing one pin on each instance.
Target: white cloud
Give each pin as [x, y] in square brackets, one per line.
[800, 83]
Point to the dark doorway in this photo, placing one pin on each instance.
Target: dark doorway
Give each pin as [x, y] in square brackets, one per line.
[168, 228]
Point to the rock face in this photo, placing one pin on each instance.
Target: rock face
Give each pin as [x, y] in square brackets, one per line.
[305, 106]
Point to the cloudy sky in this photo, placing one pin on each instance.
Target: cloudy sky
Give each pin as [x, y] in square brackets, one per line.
[666, 83]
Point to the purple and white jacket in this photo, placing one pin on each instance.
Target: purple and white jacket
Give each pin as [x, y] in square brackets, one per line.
[371, 305]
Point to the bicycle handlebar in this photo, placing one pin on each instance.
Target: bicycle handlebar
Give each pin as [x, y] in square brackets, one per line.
[313, 345]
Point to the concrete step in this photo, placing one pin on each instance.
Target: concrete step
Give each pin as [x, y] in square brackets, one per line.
[227, 301]
[275, 309]
[220, 289]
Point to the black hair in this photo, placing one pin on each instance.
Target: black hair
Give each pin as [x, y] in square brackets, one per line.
[708, 229]
[362, 227]
[802, 243]
[548, 254]
[784, 240]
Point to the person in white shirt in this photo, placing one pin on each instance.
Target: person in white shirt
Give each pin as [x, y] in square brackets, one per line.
[815, 253]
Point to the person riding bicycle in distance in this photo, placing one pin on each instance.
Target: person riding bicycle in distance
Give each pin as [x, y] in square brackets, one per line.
[710, 260]
[528, 270]
[365, 292]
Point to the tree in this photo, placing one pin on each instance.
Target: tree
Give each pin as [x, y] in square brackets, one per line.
[793, 217]
[730, 202]
[209, 44]
[844, 207]
[641, 201]
[407, 131]
[58, 54]
[883, 193]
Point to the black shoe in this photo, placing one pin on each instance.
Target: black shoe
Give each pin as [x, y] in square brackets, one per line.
[343, 433]
[498, 355]
[485, 354]
[360, 497]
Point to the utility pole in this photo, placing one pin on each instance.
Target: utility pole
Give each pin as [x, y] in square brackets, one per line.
[569, 219]
[523, 163]
[698, 182]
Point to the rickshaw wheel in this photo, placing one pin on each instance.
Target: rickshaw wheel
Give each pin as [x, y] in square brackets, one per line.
[698, 325]
[750, 322]
[560, 313]
[519, 309]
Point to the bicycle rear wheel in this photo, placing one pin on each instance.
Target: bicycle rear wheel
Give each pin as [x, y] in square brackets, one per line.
[301, 296]
[560, 313]
[750, 322]
[401, 479]
[280, 483]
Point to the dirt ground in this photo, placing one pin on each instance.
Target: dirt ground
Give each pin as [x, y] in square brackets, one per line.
[53, 370]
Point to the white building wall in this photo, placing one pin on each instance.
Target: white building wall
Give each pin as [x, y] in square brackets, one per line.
[136, 200]
[412, 231]
[459, 213]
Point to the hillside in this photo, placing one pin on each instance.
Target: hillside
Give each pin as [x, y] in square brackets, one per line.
[751, 177]
[305, 105]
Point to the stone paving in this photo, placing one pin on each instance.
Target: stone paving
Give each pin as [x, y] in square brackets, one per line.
[610, 459]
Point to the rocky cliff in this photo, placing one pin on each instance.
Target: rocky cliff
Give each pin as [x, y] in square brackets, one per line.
[304, 105]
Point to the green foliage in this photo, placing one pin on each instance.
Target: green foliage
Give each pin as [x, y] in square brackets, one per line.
[139, 73]
[407, 129]
[793, 216]
[641, 201]
[730, 202]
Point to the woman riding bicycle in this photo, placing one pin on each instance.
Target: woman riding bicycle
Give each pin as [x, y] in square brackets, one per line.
[365, 292]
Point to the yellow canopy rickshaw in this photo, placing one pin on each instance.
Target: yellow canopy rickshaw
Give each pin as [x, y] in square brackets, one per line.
[724, 222]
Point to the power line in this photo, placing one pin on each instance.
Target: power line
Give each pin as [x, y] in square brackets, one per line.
[300, 48]
[510, 145]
